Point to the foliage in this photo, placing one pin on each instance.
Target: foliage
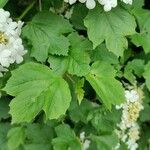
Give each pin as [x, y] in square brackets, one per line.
[78, 65]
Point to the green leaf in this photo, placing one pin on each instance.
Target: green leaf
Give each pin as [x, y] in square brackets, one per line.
[46, 33]
[3, 3]
[145, 137]
[58, 64]
[102, 79]
[38, 137]
[66, 139]
[79, 13]
[135, 4]
[110, 26]
[37, 88]
[4, 127]
[80, 112]
[79, 90]
[4, 108]
[146, 75]
[144, 115]
[13, 134]
[134, 67]
[37, 146]
[78, 56]
[142, 38]
[101, 53]
[77, 61]
[57, 4]
[138, 3]
[105, 142]
[104, 120]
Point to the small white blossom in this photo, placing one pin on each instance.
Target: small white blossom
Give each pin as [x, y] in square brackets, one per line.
[90, 4]
[131, 96]
[69, 13]
[11, 48]
[128, 129]
[85, 142]
[82, 136]
[108, 4]
[4, 15]
[133, 134]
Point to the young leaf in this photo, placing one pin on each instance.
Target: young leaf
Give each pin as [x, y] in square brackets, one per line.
[102, 78]
[110, 26]
[45, 32]
[37, 88]
[79, 90]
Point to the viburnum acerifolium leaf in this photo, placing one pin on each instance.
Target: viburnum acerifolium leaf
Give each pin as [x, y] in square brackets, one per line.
[111, 27]
[102, 79]
[46, 35]
[36, 88]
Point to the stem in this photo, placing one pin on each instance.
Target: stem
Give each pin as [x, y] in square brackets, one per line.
[26, 10]
[40, 5]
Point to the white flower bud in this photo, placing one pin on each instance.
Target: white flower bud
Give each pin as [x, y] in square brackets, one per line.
[90, 4]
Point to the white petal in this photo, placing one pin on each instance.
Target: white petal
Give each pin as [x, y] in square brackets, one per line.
[82, 1]
[107, 7]
[72, 1]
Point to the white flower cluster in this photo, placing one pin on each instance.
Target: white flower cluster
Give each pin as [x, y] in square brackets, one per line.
[108, 4]
[85, 142]
[11, 48]
[128, 129]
